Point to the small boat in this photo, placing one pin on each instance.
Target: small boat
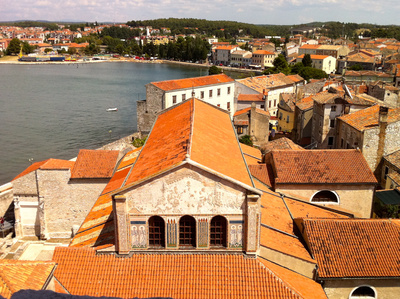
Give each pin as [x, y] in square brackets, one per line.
[112, 109]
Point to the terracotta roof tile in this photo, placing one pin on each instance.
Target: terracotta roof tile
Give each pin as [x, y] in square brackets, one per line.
[321, 167]
[192, 82]
[305, 103]
[354, 247]
[129, 158]
[18, 275]
[314, 57]
[394, 158]
[245, 110]
[369, 117]
[47, 165]
[251, 151]
[280, 144]
[263, 52]
[307, 46]
[263, 83]
[327, 97]
[275, 214]
[94, 164]
[250, 98]
[82, 272]
[186, 130]
[263, 173]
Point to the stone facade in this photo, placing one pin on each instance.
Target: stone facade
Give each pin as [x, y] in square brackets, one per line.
[356, 199]
[187, 191]
[6, 202]
[343, 288]
[48, 204]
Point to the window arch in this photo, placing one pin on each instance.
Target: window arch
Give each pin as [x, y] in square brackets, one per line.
[156, 232]
[325, 196]
[218, 232]
[363, 292]
[187, 232]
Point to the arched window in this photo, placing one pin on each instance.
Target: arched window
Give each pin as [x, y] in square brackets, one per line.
[364, 292]
[325, 196]
[156, 232]
[187, 232]
[218, 232]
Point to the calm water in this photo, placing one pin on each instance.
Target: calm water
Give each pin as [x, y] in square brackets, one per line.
[52, 111]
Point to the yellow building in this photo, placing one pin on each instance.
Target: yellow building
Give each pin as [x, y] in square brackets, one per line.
[286, 112]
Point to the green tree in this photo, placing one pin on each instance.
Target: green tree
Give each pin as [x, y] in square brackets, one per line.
[280, 66]
[47, 50]
[312, 73]
[27, 48]
[72, 51]
[297, 68]
[120, 49]
[356, 67]
[307, 60]
[14, 47]
[246, 139]
[213, 70]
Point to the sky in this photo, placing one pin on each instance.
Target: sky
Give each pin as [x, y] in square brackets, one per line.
[279, 12]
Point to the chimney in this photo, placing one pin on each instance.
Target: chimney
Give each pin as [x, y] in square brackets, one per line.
[383, 118]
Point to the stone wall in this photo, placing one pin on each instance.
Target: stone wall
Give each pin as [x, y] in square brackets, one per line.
[66, 202]
[6, 202]
[295, 264]
[147, 110]
[342, 288]
[356, 199]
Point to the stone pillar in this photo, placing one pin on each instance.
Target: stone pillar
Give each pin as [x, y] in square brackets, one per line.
[172, 234]
[44, 235]
[252, 224]
[121, 224]
[17, 215]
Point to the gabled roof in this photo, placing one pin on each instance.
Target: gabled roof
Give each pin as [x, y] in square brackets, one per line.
[16, 275]
[354, 248]
[46, 165]
[331, 96]
[82, 272]
[305, 103]
[369, 117]
[394, 158]
[192, 82]
[263, 83]
[263, 52]
[94, 164]
[280, 144]
[321, 167]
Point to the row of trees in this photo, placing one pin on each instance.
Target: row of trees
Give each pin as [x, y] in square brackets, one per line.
[303, 68]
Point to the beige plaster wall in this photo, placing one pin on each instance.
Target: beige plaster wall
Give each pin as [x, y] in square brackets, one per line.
[356, 199]
[341, 289]
[295, 264]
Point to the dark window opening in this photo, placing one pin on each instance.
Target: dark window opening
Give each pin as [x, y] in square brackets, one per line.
[218, 232]
[156, 232]
[187, 232]
[363, 292]
[324, 196]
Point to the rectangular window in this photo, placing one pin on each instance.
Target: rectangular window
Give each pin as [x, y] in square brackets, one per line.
[210, 93]
[228, 106]
[183, 97]
[386, 172]
[262, 106]
[218, 91]
[269, 104]
[332, 123]
[274, 103]
[202, 95]
[240, 130]
[330, 140]
[173, 99]
[287, 119]
[333, 108]
[341, 143]
[229, 90]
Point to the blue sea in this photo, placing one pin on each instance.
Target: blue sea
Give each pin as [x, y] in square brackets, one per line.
[53, 110]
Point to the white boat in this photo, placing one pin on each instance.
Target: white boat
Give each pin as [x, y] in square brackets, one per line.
[112, 109]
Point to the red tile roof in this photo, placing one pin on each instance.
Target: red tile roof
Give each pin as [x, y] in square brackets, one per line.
[245, 110]
[82, 272]
[280, 144]
[305, 103]
[314, 57]
[369, 117]
[263, 173]
[354, 248]
[184, 132]
[94, 164]
[16, 275]
[251, 151]
[263, 52]
[47, 164]
[321, 167]
[250, 98]
[192, 82]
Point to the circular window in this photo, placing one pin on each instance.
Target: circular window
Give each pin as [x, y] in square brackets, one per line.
[364, 292]
[325, 196]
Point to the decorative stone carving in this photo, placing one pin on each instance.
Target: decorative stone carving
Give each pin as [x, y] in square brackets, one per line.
[172, 231]
[203, 233]
[236, 233]
[138, 233]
